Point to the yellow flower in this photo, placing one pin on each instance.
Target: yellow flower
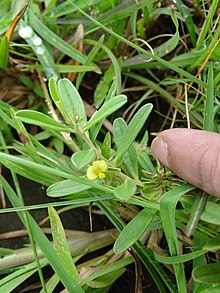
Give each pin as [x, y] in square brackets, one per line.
[97, 170]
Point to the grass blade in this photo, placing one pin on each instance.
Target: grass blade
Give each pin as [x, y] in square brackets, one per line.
[4, 53]
[168, 204]
[61, 246]
[180, 258]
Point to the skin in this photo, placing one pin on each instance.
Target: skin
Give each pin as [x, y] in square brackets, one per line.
[193, 155]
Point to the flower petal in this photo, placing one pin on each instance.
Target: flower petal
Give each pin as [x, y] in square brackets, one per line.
[91, 173]
[100, 165]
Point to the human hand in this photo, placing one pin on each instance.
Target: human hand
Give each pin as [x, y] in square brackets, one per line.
[193, 155]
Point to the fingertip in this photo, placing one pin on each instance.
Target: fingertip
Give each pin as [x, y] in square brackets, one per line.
[193, 155]
[160, 150]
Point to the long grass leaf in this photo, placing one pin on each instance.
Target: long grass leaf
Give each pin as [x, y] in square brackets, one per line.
[4, 53]
[168, 204]
[180, 258]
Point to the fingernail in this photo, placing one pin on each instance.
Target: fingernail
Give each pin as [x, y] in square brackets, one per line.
[160, 150]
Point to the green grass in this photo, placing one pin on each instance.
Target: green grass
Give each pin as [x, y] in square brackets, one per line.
[128, 71]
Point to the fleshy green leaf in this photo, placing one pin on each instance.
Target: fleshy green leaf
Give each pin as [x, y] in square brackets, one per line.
[211, 213]
[103, 86]
[72, 103]
[134, 229]
[65, 187]
[130, 161]
[133, 129]
[213, 245]
[61, 246]
[42, 120]
[83, 158]
[207, 274]
[108, 108]
[106, 146]
[125, 190]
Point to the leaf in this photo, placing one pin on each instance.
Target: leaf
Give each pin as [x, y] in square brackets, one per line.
[4, 53]
[10, 282]
[133, 230]
[107, 280]
[65, 187]
[130, 161]
[168, 204]
[179, 258]
[208, 123]
[77, 68]
[5, 251]
[107, 271]
[108, 108]
[211, 213]
[15, 21]
[106, 146]
[83, 158]
[132, 130]
[186, 14]
[42, 120]
[72, 103]
[118, 264]
[207, 274]
[103, 86]
[168, 46]
[213, 244]
[125, 190]
[61, 246]
[28, 171]
[25, 138]
[92, 54]
[96, 128]
[54, 92]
